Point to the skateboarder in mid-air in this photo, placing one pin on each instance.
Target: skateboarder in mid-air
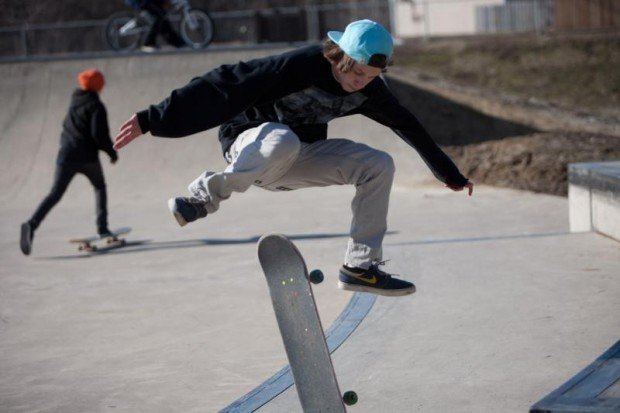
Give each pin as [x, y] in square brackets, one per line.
[273, 114]
[84, 132]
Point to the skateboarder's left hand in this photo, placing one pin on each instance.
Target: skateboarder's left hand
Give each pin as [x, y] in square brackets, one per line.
[469, 185]
[129, 131]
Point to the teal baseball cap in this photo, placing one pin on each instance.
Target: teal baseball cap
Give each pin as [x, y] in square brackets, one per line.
[362, 39]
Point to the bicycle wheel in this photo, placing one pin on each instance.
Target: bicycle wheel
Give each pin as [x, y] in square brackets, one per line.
[124, 31]
[197, 29]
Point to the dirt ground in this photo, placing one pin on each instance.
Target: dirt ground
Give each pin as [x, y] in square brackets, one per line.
[567, 87]
[534, 162]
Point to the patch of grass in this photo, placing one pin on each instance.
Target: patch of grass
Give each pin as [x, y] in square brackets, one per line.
[581, 72]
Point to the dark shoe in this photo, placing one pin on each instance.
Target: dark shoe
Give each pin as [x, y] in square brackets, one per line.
[373, 280]
[105, 233]
[187, 209]
[25, 241]
[149, 49]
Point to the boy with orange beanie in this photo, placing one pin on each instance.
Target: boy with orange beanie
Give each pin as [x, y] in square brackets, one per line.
[84, 133]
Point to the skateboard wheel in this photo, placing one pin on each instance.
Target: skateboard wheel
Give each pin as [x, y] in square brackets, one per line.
[316, 276]
[349, 398]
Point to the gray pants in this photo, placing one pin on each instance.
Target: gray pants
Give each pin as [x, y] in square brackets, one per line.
[272, 157]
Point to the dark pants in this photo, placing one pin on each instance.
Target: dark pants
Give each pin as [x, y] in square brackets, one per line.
[62, 177]
[160, 25]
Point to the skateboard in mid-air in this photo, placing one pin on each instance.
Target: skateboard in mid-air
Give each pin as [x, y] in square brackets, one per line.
[300, 325]
[97, 243]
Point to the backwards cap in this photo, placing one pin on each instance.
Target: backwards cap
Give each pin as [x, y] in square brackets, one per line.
[362, 39]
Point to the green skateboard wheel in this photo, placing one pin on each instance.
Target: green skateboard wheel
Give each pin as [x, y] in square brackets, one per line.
[349, 398]
[316, 276]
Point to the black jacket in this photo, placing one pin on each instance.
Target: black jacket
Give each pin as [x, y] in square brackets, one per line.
[296, 88]
[85, 130]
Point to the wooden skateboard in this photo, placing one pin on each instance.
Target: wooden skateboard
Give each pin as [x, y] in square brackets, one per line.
[96, 243]
[300, 325]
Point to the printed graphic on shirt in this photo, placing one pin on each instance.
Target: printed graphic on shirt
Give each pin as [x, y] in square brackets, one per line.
[315, 106]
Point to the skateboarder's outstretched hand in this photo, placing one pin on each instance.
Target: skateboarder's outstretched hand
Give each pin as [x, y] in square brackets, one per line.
[469, 185]
[129, 131]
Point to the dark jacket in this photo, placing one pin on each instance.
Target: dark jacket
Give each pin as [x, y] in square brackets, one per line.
[296, 88]
[85, 130]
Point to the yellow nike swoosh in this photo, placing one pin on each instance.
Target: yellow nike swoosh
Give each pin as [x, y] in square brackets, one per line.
[372, 280]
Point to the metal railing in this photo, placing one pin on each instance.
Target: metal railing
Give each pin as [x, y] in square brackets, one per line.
[405, 18]
[515, 16]
[242, 27]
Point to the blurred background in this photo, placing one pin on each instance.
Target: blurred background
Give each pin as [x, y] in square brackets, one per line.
[59, 26]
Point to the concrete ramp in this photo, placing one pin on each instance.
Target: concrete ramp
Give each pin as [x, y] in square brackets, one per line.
[509, 302]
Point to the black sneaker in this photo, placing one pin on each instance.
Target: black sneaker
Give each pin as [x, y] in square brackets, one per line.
[373, 280]
[106, 233]
[25, 241]
[187, 209]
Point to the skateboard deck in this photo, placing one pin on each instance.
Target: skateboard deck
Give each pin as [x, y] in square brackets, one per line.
[96, 243]
[300, 325]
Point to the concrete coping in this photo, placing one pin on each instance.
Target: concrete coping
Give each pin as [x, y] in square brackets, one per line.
[594, 197]
[594, 389]
[599, 176]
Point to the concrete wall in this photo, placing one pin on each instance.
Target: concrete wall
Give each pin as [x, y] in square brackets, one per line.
[594, 198]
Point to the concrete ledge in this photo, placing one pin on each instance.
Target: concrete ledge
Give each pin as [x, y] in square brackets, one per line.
[595, 389]
[594, 197]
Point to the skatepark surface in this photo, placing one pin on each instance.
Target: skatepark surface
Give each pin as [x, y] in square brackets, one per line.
[510, 304]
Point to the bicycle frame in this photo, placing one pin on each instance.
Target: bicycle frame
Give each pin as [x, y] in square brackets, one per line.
[177, 7]
[185, 7]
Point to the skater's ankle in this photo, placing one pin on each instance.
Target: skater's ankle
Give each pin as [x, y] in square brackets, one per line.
[354, 269]
[33, 225]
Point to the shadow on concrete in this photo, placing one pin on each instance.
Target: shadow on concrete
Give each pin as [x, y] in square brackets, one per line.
[451, 123]
[149, 245]
[477, 239]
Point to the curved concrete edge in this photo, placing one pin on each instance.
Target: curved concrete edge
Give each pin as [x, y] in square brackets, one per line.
[113, 54]
[594, 197]
[356, 310]
[585, 392]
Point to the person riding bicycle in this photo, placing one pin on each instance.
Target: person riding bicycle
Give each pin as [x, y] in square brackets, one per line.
[159, 23]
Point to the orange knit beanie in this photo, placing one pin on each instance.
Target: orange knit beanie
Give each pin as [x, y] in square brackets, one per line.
[91, 79]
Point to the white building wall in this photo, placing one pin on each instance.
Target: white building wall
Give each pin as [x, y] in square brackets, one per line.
[415, 18]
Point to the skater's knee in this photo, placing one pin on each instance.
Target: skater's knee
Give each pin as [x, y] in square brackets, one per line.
[384, 163]
[100, 187]
[53, 197]
[280, 142]
[389, 164]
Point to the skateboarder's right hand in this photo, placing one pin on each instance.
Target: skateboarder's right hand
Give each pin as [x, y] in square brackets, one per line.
[129, 131]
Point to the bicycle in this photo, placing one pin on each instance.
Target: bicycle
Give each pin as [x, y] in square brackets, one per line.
[126, 30]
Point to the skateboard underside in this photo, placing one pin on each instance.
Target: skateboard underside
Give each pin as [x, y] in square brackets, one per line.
[95, 243]
[300, 325]
[109, 243]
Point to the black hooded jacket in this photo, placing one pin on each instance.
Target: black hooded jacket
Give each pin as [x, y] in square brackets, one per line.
[85, 130]
[296, 88]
